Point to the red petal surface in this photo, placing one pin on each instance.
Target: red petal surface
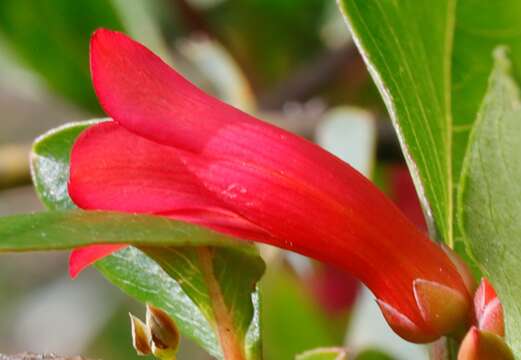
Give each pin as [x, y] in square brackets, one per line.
[146, 96]
[113, 169]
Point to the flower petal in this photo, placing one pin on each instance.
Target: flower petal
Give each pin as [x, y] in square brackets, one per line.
[149, 98]
[83, 257]
[113, 169]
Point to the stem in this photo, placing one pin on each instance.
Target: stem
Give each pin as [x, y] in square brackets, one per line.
[14, 165]
[444, 349]
[230, 344]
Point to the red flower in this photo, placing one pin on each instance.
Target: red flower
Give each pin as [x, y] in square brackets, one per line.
[174, 151]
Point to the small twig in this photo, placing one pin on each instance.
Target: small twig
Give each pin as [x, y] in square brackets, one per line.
[31, 356]
[195, 22]
[192, 18]
[14, 165]
[309, 79]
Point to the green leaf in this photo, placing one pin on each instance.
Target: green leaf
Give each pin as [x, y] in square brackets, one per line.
[63, 230]
[222, 281]
[323, 354]
[52, 38]
[407, 47]
[142, 278]
[480, 27]
[50, 164]
[373, 354]
[431, 62]
[208, 291]
[490, 197]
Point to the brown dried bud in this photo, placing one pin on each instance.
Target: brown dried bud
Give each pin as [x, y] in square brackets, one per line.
[140, 336]
[164, 335]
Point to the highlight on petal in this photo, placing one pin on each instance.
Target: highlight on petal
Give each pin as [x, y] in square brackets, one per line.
[83, 257]
[402, 325]
[174, 151]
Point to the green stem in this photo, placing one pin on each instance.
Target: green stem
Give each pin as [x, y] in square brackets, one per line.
[444, 349]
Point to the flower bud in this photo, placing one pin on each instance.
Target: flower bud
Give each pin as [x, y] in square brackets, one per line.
[483, 345]
[488, 310]
[443, 310]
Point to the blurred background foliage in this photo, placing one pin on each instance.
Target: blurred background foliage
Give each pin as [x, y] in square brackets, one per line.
[292, 62]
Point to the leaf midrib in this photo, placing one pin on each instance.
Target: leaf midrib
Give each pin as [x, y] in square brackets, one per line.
[232, 347]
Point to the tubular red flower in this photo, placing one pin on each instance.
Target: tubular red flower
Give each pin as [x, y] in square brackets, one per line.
[173, 150]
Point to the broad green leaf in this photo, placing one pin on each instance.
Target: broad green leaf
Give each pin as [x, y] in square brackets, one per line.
[490, 197]
[480, 27]
[62, 230]
[142, 278]
[50, 164]
[52, 38]
[323, 354]
[187, 280]
[431, 61]
[222, 281]
[407, 46]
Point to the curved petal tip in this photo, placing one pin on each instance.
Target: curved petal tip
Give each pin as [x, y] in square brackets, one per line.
[81, 258]
[403, 326]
